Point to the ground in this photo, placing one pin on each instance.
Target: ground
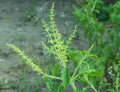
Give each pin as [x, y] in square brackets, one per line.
[27, 33]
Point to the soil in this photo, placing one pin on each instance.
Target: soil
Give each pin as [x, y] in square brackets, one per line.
[19, 27]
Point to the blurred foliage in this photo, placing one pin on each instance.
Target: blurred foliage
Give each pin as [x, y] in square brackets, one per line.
[100, 21]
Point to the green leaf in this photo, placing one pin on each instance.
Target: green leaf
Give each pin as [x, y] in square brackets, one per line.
[80, 79]
[85, 89]
[49, 84]
[55, 69]
[54, 85]
[65, 75]
[60, 88]
[103, 85]
[116, 67]
[111, 90]
[57, 87]
[96, 74]
[95, 57]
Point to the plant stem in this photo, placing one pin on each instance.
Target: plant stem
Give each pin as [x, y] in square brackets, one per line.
[77, 68]
[53, 77]
[74, 87]
[93, 7]
[86, 78]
